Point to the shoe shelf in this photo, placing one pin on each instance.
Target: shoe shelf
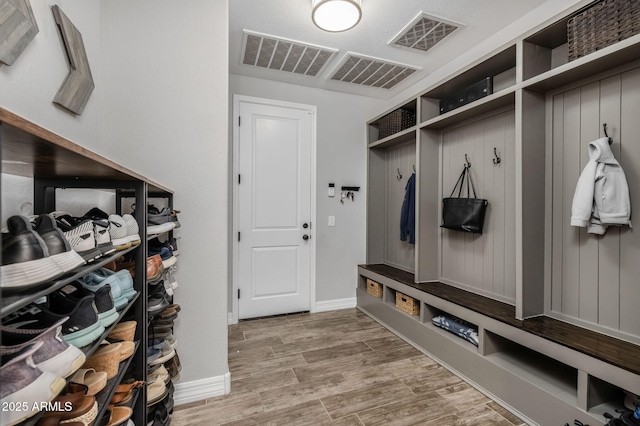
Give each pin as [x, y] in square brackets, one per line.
[13, 302]
[33, 151]
[571, 370]
[53, 162]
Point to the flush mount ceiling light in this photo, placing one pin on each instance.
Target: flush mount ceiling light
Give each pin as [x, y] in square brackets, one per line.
[336, 15]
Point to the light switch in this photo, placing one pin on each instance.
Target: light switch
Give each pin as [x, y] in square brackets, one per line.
[332, 221]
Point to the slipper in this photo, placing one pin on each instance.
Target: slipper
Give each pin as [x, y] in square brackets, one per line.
[156, 392]
[125, 391]
[94, 380]
[119, 415]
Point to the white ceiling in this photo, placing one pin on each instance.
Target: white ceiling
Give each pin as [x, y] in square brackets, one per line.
[381, 21]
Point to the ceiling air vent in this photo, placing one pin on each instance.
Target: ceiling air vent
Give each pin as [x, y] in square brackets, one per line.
[424, 32]
[266, 51]
[368, 71]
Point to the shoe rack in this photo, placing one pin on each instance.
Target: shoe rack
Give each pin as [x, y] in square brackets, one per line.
[53, 162]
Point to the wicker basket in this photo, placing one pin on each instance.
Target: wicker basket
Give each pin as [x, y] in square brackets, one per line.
[603, 24]
[374, 288]
[396, 121]
[407, 304]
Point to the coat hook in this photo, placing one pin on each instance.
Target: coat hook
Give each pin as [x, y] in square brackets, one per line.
[604, 127]
[414, 168]
[468, 164]
[496, 160]
[399, 175]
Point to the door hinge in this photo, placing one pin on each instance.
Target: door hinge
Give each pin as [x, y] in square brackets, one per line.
[238, 235]
[238, 293]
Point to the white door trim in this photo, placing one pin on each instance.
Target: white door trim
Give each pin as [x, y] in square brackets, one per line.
[237, 99]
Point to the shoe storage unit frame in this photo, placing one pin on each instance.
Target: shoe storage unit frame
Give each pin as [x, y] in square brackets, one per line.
[55, 162]
[556, 308]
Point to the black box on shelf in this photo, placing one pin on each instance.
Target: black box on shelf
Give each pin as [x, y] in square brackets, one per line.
[472, 93]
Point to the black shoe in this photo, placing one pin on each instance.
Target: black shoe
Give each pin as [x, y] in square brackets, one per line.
[60, 250]
[82, 328]
[107, 313]
[25, 257]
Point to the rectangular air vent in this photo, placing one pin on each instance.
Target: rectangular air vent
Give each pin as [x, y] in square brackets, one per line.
[369, 71]
[424, 32]
[266, 51]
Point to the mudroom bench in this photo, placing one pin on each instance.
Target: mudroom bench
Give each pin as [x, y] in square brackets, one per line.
[544, 370]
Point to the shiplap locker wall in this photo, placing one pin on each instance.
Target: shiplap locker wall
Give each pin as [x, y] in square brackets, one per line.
[483, 263]
[400, 159]
[595, 279]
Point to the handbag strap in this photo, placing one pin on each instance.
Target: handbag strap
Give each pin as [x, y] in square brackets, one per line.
[469, 179]
[460, 182]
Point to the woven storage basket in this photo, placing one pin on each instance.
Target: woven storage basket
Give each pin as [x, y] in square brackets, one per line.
[374, 288]
[601, 25]
[123, 331]
[407, 304]
[396, 121]
[106, 358]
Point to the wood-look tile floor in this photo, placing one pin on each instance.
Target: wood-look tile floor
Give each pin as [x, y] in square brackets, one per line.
[337, 368]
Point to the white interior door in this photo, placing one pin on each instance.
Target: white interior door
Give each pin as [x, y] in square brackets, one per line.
[274, 209]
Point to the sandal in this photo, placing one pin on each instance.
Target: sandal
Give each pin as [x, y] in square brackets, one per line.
[94, 380]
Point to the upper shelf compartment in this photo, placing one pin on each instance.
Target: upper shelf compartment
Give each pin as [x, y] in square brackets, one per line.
[490, 78]
[596, 38]
[32, 151]
[394, 124]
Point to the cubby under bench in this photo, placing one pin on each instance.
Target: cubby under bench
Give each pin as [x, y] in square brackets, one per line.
[546, 371]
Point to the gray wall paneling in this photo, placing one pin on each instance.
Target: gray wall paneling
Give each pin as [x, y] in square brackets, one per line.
[629, 240]
[376, 206]
[482, 263]
[428, 223]
[594, 279]
[399, 254]
[530, 203]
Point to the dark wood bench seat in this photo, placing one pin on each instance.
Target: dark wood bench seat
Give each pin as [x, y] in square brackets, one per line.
[609, 349]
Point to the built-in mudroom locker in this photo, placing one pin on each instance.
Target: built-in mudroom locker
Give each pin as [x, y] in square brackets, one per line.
[549, 300]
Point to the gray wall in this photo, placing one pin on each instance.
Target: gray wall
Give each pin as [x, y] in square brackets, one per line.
[165, 115]
[485, 263]
[595, 278]
[341, 159]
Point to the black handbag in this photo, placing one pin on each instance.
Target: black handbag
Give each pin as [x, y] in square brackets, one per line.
[464, 214]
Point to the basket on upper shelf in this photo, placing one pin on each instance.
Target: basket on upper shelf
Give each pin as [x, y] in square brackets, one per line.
[396, 121]
[601, 25]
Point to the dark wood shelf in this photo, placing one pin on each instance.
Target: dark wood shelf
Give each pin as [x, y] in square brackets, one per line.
[33, 151]
[609, 349]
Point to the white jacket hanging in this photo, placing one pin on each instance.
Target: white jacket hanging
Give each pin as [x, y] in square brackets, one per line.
[602, 193]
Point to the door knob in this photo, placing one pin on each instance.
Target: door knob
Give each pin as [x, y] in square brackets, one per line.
[305, 225]
[305, 237]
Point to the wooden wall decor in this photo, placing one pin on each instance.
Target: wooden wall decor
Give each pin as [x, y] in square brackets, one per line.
[78, 85]
[17, 28]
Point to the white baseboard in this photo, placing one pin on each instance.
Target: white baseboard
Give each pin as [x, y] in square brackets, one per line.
[334, 305]
[199, 390]
[229, 318]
